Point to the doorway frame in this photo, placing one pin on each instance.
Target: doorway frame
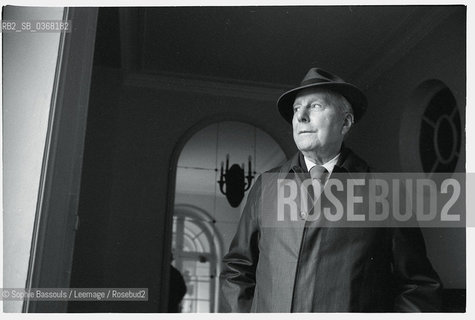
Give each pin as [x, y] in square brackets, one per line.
[56, 217]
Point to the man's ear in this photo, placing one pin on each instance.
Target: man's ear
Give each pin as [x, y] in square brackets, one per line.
[347, 123]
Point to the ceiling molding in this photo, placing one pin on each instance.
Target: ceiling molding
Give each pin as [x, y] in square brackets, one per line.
[409, 32]
[210, 86]
[398, 42]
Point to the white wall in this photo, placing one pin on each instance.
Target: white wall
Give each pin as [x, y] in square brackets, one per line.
[29, 64]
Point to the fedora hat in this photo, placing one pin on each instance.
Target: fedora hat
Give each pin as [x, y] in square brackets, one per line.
[318, 78]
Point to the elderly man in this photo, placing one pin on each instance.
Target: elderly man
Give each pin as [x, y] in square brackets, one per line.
[308, 268]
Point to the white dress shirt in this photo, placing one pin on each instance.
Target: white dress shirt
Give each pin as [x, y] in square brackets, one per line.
[329, 165]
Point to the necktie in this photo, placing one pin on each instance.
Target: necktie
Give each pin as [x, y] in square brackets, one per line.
[319, 175]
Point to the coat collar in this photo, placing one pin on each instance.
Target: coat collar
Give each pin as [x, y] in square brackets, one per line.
[350, 162]
[347, 162]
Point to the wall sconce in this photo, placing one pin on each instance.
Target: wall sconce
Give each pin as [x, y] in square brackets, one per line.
[233, 182]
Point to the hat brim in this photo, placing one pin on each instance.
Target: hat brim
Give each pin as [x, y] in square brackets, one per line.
[355, 97]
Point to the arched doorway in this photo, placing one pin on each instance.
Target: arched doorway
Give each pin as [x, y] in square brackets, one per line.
[204, 221]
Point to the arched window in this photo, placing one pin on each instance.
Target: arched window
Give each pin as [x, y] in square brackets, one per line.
[196, 250]
[204, 221]
[431, 130]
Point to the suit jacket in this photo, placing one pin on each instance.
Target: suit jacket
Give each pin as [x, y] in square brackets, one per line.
[307, 268]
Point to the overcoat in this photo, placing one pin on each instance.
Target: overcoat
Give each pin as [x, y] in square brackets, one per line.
[306, 268]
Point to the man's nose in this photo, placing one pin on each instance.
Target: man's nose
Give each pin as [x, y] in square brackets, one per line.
[302, 115]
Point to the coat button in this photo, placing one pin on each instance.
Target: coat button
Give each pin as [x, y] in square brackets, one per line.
[303, 215]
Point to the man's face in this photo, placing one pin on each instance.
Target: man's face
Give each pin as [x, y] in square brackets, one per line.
[318, 124]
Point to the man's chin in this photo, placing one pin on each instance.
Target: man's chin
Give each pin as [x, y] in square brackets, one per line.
[304, 148]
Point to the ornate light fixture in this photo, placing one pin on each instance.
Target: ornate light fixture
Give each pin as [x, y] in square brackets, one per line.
[233, 182]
